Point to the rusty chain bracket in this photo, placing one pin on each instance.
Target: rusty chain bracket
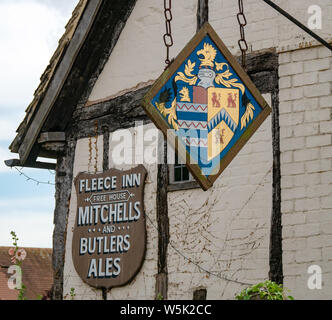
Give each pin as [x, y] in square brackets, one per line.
[168, 38]
[241, 18]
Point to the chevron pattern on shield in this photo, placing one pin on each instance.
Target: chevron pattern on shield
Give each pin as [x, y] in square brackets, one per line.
[223, 118]
[192, 119]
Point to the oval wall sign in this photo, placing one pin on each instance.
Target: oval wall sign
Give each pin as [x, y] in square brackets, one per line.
[109, 239]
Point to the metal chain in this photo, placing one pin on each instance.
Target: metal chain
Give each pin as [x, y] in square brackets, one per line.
[168, 38]
[242, 42]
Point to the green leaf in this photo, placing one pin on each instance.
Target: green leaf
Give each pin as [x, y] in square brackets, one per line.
[267, 290]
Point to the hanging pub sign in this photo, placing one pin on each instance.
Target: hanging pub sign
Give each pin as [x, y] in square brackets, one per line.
[109, 236]
[206, 106]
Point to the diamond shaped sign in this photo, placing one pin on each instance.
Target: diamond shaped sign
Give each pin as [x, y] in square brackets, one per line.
[206, 106]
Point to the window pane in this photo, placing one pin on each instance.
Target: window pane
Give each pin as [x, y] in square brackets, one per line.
[185, 173]
[177, 174]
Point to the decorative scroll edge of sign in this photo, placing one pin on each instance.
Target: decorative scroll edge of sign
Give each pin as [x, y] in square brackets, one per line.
[205, 182]
[141, 262]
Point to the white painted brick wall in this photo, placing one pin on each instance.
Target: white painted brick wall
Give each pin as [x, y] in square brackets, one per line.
[306, 152]
[139, 55]
[268, 29]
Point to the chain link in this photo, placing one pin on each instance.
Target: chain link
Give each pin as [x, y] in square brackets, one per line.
[168, 38]
[241, 18]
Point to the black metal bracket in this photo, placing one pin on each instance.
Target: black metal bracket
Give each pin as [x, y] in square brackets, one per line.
[298, 23]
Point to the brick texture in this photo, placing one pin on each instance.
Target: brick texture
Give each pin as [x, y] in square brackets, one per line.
[306, 169]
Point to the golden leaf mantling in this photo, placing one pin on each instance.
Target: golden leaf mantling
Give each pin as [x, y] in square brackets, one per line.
[187, 76]
[170, 112]
[247, 116]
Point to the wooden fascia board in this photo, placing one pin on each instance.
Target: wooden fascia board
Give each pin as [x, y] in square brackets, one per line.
[36, 165]
[59, 79]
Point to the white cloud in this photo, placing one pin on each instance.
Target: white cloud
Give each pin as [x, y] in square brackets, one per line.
[7, 129]
[8, 125]
[21, 204]
[29, 32]
[5, 154]
[33, 229]
[30, 217]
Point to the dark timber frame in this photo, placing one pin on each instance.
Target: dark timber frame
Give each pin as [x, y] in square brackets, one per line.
[263, 70]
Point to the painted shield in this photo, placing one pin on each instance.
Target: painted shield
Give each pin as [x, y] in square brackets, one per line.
[109, 236]
[205, 104]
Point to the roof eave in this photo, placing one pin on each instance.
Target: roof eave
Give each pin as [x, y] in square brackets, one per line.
[25, 141]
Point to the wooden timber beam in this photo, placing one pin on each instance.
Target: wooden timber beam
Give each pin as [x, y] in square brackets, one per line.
[36, 165]
[46, 137]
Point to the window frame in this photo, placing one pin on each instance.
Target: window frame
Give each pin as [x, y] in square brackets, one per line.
[180, 185]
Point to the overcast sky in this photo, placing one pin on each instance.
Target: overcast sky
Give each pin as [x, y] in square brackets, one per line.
[29, 33]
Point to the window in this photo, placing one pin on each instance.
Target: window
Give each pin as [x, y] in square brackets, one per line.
[180, 177]
[180, 172]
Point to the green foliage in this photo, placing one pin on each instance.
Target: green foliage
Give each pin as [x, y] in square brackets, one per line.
[159, 297]
[15, 239]
[21, 293]
[267, 290]
[18, 261]
[72, 293]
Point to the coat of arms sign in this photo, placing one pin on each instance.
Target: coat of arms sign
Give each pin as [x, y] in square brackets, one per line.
[207, 104]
